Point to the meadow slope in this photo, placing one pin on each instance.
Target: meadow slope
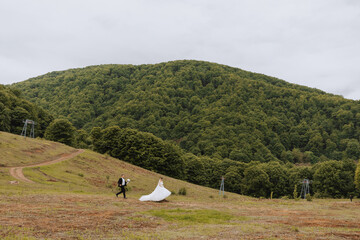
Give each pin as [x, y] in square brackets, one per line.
[75, 199]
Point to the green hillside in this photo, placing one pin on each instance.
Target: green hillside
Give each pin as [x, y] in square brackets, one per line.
[75, 199]
[208, 109]
[16, 150]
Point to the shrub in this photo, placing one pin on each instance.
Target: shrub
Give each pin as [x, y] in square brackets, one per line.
[308, 198]
[321, 195]
[295, 193]
[182, 191]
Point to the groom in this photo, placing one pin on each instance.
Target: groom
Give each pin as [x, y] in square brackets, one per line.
[122, 184]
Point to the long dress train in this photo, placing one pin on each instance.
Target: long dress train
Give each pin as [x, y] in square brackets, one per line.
[159, 194]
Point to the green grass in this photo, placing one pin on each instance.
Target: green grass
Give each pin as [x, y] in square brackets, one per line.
[12, 233]
[195, 216]
[16, 150]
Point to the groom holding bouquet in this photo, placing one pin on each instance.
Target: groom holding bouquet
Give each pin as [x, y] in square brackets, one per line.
[122, 184]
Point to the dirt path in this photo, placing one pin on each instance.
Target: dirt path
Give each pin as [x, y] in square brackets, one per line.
[17, 173]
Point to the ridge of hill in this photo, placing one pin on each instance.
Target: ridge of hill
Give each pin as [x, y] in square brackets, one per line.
[208, 109]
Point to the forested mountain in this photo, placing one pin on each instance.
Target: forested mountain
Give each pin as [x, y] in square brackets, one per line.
[208, 109]
[14, 110]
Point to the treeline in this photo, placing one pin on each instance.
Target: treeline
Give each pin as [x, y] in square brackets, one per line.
[328, 179]
[274, 178]
[207, 109]
[14, 110]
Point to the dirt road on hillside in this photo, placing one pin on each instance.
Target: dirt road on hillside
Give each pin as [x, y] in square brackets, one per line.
[17, 173]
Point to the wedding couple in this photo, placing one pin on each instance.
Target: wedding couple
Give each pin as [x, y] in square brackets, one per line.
[159, 194]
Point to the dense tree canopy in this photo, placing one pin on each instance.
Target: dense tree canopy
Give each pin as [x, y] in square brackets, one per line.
[334, 178]
[357, 177]
[139, 148]
[208, 109]
[14, 110]
[61, 130]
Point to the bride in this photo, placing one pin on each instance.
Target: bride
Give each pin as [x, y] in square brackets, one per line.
[159, 194]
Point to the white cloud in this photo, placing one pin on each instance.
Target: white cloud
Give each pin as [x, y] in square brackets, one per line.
[312, 43]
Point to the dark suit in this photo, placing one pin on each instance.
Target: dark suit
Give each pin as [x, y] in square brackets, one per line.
[122, 186]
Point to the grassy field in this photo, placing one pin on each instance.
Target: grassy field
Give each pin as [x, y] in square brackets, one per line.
[75, 199]
[17, 150]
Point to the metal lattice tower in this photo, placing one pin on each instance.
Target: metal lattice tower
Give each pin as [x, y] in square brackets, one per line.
[305, 189]
[32, 130]
[222, 191]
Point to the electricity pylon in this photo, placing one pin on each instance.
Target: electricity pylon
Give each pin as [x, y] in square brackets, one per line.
[32, 131]
[305, 188]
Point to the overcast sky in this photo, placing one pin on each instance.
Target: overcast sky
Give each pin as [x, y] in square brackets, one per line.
[315, 43]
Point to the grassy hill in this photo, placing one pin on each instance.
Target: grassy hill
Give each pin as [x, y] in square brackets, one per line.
[75, 199]
[208, 109]
[87, 172]
[17, 150]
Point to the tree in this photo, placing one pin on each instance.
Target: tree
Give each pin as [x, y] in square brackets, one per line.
[82, 139]
[357, 177]
[239, 155]
[278, 178]
[5, 119]
[140, 148]
[327, 178]
[256, 182]
[352, 149]
[18, 115]
[95, 137]
[61, 130]
[195, 170]
[334, 178]
[295, 193]
[316, 144]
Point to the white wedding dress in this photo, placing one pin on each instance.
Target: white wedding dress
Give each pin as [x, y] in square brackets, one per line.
[159, 194]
